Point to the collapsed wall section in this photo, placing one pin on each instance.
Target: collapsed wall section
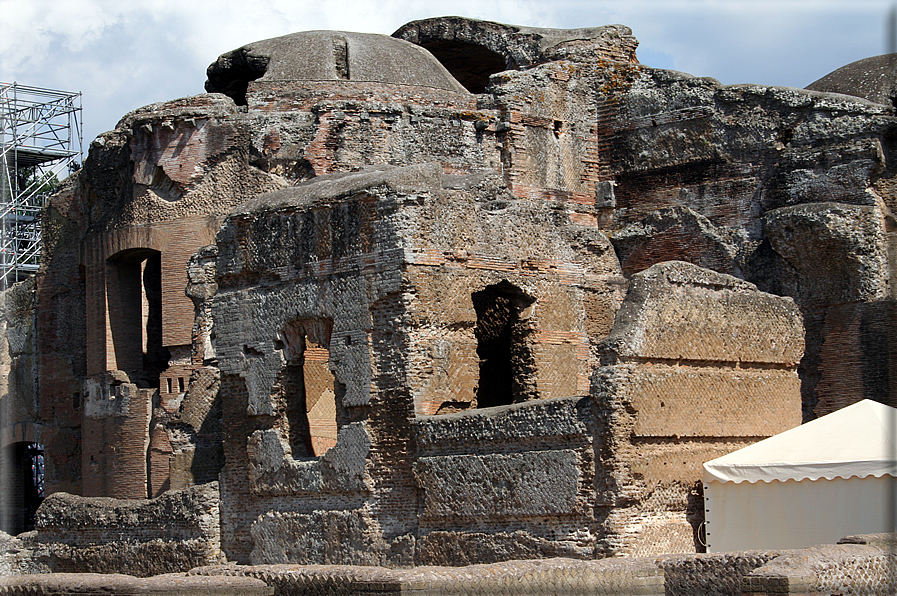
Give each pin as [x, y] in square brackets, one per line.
[319, 264]
[509, 298]
[357, 315]
[764, 183]
[472, 50]
[118, 337]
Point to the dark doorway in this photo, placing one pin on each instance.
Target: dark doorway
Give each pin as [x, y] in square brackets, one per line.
[507, 367]
[23, 489]
[469, 63]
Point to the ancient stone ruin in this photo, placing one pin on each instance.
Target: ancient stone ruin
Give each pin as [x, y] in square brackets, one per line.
[466, 294]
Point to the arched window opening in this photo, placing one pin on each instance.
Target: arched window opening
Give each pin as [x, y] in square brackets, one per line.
[134, 301]
[308, 389]
[503, 345]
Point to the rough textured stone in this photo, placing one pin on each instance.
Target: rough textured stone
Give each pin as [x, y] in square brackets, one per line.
[677, 311]
[826, 569]
[536, 483]
[19, 555]
[861, 569]
[808, 237]
[174, 532]
[677, 234]
[344, 295]
[112, 583]
[662, 379]
[870, 78]
[472, 49]
[550, 576]
[329, 537]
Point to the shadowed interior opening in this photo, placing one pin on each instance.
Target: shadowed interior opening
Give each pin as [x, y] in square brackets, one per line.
[503, 346]
[470, 64]
[134, 299]
[22, 475]
[231, 74]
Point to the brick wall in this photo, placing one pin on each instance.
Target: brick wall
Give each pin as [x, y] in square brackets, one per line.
[676, 394]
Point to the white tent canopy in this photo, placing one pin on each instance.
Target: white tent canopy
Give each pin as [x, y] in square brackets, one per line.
[858, 440]
[813, 484]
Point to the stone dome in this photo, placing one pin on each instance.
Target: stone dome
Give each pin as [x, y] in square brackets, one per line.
[328, 56]
[874, 79]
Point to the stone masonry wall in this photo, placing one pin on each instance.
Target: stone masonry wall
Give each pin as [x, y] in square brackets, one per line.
[377, 289]
[179, 166]
[689, 348]
[175, 532]
[19, 410]
[412, 311]
[855, 568]
[512, 482]
[789, 189]
[346, 273]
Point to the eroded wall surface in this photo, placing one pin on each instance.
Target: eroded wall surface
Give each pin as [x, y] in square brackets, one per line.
[421, 473]
[383, 298]
[141, 537]
[396, 311]
[20, 425]
[698, 364]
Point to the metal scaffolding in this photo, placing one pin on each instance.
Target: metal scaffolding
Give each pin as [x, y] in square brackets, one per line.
[40, 144]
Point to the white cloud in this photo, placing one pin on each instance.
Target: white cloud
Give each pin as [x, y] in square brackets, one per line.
[126, 54]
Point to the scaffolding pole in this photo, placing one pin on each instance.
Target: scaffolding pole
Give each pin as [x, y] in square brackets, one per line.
[40, 144]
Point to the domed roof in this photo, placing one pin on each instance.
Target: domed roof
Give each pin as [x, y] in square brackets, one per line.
[328, 56]
[872, 78]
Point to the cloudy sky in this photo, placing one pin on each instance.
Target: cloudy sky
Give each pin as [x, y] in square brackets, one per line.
[122, 54]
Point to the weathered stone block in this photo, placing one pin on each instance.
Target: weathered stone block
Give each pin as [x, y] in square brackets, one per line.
[342, 469]
[678, 311]
[535, 483]
[175, 532]
[838, 251]
[325, 537]
[469, 548]
[695, 401]
[677, 234]
[561, 418]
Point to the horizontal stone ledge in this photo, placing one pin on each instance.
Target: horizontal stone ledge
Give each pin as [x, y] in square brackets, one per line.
[174, 584]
